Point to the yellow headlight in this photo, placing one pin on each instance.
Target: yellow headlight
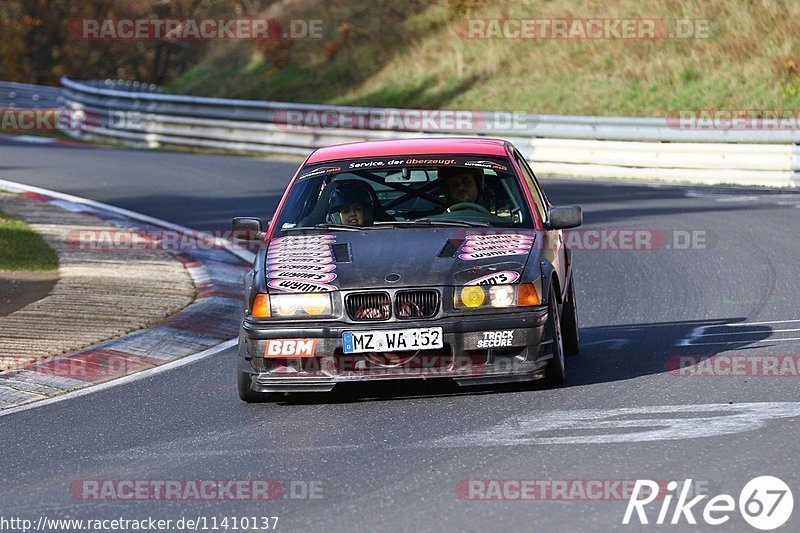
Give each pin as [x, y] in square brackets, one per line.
[472, 296]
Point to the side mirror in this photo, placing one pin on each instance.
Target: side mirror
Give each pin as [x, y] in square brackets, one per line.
[565, 217]
[248, 229]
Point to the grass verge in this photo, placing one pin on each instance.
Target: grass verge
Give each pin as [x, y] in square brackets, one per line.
[412, 53]
[22, 249]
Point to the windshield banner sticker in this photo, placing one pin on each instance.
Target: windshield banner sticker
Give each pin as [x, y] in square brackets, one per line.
[395, 162]
[374, 163]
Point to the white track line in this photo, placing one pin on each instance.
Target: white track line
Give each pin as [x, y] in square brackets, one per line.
[701, 331]
[740, 324]
[245, 255]
[123, 380]
[770, 331]
[242, 254]
[748, 343]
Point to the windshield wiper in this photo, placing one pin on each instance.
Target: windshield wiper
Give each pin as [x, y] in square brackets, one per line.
[432, 222]
[335, 227]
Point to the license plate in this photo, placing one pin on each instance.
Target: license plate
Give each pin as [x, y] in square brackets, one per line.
[400, 340]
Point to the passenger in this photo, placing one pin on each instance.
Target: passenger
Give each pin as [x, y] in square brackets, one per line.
[351, 204]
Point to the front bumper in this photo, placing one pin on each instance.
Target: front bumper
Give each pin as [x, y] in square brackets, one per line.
[477, 349]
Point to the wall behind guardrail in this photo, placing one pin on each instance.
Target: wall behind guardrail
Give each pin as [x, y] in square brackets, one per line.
[595, 147]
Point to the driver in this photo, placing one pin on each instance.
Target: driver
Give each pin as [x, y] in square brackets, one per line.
[461, 185]
[351, 204]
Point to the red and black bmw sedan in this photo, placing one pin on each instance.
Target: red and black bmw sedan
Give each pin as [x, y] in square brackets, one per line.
[408, 259]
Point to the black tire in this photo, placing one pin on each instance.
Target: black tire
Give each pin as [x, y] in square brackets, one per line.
[569, 322]
[554, 373]
[246, 394]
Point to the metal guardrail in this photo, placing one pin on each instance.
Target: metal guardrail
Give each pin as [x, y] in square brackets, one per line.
[26, 96]
[595, 147]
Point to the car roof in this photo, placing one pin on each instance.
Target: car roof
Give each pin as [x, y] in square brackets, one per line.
[415, 146]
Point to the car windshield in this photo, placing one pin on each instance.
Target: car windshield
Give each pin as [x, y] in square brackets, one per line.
[406, 192]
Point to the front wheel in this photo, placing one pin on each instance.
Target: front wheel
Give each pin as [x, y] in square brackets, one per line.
[555, 372]
[569, 322]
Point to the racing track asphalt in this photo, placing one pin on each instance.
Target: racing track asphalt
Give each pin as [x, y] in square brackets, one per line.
[390, 458]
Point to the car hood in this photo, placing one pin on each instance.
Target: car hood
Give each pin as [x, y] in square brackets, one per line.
[397, 258]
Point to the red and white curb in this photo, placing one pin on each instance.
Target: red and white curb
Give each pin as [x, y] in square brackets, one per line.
[33, 139]
[202, 329]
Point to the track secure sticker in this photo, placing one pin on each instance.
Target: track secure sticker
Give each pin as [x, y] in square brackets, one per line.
[291, 348]
[496, 339]
[499, 339]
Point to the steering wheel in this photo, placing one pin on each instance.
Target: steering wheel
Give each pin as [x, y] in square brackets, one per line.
[463, 206]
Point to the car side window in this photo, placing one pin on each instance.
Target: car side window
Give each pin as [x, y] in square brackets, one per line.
[538, 197]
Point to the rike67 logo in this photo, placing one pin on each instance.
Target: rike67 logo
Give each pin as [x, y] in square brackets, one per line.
[765, 503]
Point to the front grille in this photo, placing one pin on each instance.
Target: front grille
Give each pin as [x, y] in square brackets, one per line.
[369, 306]
[416, 304]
